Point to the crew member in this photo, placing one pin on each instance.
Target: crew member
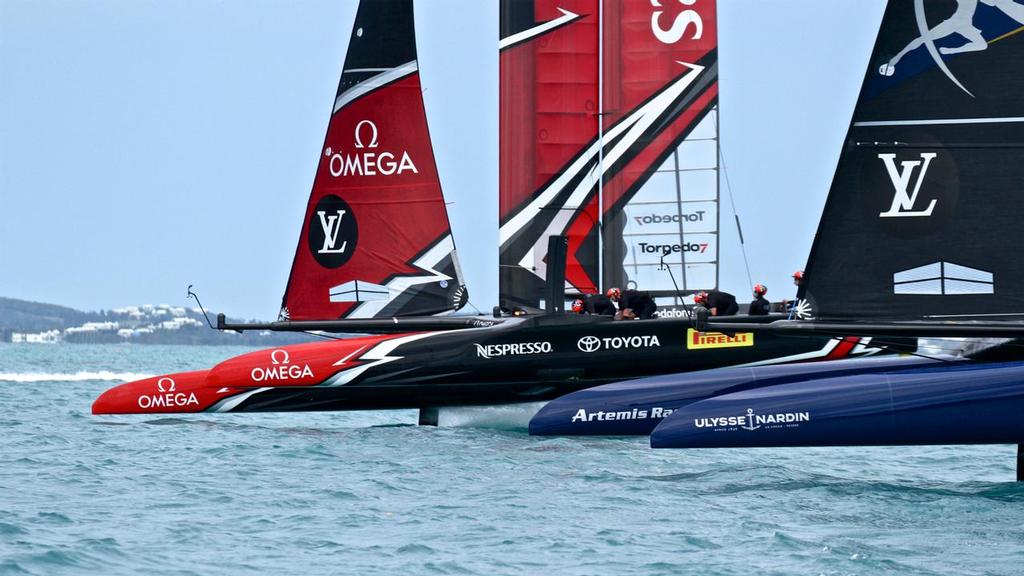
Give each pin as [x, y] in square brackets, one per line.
[760, 306]
[594, 304]
[633, 304]
[717, 302]
[790, 305]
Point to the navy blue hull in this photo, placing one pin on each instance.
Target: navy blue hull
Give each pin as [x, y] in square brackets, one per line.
[635, 407]
[964, 404]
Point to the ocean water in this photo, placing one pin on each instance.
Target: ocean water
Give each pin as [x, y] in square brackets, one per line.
[358, 493]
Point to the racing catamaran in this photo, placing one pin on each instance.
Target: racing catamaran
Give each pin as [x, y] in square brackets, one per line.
[376, 254]
[925, 203]
[925, 194]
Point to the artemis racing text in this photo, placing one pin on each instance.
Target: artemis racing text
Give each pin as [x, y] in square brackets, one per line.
[634, 414]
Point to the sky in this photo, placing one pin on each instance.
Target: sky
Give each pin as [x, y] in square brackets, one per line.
[147, 145]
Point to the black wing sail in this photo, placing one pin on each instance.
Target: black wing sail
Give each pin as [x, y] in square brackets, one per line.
[923, 215]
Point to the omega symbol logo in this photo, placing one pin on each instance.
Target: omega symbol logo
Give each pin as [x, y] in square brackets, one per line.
[279, 357]
[165, 384]
[372, 133]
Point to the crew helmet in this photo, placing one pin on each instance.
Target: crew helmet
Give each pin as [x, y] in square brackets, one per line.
[760, 289]
[614, 293]
[577, 306]
[700, 298]
[798, 276]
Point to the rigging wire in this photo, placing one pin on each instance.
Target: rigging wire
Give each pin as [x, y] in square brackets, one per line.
[193, 295]
[732, 202]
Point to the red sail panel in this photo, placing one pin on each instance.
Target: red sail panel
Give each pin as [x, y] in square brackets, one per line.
[659, 84]
[661, 188]
[548, 99]
[376, 240]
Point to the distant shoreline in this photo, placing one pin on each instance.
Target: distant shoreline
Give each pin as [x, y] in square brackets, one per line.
[25, 322]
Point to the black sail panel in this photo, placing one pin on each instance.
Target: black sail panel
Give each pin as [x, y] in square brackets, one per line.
[924, 210]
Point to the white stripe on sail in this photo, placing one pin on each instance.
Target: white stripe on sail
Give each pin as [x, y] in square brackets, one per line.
[645, 116]
[373, 83]
[565, 18]
[942, 121]
[633, 127]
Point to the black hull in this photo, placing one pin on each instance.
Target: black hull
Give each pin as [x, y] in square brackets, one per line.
[449, 369]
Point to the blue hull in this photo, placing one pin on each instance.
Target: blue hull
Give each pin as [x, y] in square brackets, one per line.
[635, 407]
[961, 404]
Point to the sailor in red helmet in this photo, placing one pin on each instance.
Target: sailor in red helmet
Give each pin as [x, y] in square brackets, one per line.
[633, 304]
[717, 302]
[798, 280]
[760, 306]
[594, 304]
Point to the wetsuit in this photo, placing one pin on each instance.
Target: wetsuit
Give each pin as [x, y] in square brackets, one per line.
[641, 303]
[598, 305]
[759, 307]
[724, 302]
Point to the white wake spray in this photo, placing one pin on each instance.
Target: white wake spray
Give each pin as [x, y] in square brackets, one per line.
[501, 417]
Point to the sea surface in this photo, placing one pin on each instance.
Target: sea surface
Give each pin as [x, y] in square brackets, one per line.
[371, 493]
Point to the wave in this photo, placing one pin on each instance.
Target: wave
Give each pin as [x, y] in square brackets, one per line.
[71, 377]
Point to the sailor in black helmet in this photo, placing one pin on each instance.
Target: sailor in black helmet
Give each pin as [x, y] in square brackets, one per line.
[760, 306]
[717, 302]
[594, 304]
[633, 304]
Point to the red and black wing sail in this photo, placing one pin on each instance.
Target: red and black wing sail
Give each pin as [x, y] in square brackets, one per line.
[376, 240]
[595, 100]
[660, 192]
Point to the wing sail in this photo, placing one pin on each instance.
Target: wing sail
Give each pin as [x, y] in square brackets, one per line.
[376, 241]
[609, 137]
[925, 202]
